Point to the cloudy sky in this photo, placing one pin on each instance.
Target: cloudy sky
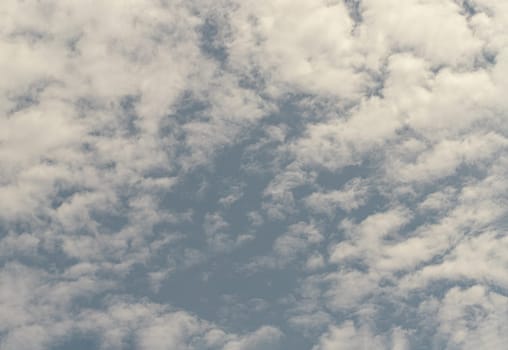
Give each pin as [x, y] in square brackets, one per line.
[253, 175]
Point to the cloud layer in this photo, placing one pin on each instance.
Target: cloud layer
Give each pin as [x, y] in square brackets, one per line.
[254, 175]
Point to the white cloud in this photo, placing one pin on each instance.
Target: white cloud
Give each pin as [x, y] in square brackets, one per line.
[368, 236]
[295, 46]
[347, 336]
[473, 318]
[264, 338]
[315, 262]
[352, 196]
[417, 25]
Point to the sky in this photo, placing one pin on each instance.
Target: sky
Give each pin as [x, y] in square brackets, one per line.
[253, 175]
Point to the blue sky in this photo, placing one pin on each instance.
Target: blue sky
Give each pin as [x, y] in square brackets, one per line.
[238, 175]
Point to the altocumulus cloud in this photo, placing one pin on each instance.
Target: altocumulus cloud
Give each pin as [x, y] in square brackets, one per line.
[245, 175]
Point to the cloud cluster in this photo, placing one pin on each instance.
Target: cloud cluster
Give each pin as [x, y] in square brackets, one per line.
[166, 166]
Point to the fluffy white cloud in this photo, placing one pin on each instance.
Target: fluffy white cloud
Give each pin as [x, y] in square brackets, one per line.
[295, 45]
[471, 317]
[347, 336]
[352, 196]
